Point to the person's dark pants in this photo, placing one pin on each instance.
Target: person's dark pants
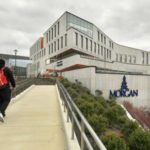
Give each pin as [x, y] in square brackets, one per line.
[5, 97]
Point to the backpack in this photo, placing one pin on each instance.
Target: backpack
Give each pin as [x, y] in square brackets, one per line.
[3, 78]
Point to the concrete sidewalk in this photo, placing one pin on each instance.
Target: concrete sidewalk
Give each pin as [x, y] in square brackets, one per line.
[33, 122]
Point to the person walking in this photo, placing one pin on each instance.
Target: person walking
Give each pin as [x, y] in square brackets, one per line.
[7, 84]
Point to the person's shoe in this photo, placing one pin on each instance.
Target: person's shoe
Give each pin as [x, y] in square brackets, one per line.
[4, 115]
[1, 117]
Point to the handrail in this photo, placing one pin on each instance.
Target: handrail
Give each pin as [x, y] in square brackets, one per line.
[82, 124]
[22, 86]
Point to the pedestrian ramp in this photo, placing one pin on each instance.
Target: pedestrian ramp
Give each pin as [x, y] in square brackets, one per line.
[33, 122]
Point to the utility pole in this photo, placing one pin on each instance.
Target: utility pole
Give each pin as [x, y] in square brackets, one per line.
[15, 69]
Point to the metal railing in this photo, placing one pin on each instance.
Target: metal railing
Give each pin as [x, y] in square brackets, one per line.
[22, 85]
[86, 136]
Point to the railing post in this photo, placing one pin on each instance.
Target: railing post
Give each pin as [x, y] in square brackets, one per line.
[72, 136]
[67, 114]
[82, 131]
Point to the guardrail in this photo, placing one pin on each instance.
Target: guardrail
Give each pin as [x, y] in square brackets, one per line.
[86, 136]
[22, 85]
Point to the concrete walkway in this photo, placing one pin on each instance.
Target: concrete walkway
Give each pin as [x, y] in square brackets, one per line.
[33, 122]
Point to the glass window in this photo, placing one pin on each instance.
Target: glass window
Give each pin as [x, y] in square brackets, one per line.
[91, 44]
[49, 49]
[62, 42]
[55, 46]
[76, 34]
[147, 58]
[95, 47]
[55, 30]
[52, 47]
[80, 24]
[87, 43]
[142, 57]
[107, 53]
[102, 38]
[110, 44]
[58, 28]
[104, 53]
[58, 44]
[98, 49]
[98, 35]
[65, 39]
[101, 50]
[52, 33]
[81, 41]
[49, 35]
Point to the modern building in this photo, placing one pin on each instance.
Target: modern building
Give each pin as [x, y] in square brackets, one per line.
[80, 50]
[37, 55]
[18, 64]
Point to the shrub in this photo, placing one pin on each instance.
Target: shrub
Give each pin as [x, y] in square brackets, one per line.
[112, 103]
[72, 92]
[112, 142]
[86, 96]
[129, 127]
[98, 122]
[122, 120]
[113, 114]
[98, 108]
[66, 83]
[139, 140]
[87, 108]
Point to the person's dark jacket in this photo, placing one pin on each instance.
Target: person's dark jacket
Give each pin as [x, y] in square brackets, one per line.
[10, 78]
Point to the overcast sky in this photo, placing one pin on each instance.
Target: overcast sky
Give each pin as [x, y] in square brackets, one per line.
[22, 22]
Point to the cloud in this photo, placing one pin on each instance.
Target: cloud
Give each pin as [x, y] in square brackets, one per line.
[23, 22]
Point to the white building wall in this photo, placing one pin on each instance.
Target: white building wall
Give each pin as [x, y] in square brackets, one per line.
[106, 82]
[85, 76]
[77, 59]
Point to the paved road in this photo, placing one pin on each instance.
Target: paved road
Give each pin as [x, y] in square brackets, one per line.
[33, 122]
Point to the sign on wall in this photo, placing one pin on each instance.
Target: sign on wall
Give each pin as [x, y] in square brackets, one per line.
[124, 91]
[59, 63]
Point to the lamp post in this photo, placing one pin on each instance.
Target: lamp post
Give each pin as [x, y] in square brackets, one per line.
[15, 70]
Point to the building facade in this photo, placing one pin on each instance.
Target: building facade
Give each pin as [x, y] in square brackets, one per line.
[18, 64]
[38, 56]
[72, 43]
